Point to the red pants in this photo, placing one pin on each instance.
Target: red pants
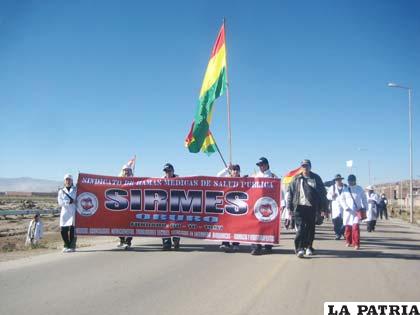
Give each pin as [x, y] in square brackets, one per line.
[352, 234]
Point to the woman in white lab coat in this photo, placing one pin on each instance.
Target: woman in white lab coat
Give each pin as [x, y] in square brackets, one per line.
[67, 201]
[352, 199]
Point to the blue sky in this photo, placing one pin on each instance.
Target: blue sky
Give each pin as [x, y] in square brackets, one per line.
[85, 85]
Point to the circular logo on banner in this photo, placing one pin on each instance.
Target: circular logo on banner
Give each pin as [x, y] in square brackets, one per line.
[266, 209]
[87, 204]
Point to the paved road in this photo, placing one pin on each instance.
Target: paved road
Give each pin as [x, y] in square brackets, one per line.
[200, 280]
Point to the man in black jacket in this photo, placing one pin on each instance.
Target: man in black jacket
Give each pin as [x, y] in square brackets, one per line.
[306, 198]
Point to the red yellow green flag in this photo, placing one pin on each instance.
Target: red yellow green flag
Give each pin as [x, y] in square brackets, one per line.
[287, 179]
[214, 84]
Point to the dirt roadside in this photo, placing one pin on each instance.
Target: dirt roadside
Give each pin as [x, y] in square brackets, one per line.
[13, 229]
[13, 234]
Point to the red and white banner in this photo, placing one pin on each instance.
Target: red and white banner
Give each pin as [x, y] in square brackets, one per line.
[245, 210]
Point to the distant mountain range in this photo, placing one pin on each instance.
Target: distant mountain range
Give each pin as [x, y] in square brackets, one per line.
[27, 184]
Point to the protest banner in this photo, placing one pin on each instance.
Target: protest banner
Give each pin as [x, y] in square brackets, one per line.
[245, 209]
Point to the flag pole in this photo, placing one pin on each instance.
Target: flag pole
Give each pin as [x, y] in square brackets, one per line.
[228, 102]
[218, 150]
[220, 153]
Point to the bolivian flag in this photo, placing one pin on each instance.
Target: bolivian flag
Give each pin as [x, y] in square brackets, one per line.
[214, 85]
[287, 179]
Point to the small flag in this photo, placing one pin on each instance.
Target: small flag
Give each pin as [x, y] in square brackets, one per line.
[349, 163]
[131, 163]
[287, 179]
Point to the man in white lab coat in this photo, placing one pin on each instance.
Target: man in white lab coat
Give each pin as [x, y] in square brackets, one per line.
[333, 194]
[373, 200]
[67, 201]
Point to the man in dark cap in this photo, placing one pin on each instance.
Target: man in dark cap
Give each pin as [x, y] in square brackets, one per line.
[264, 171]
[306, 197]
[333, 194]
[234, 170]
[264, 167]
[169, 171]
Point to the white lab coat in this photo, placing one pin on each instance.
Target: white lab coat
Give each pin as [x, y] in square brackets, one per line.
[349, 206]
[224, 173]
[336, 208]
[68, 210]
[39, 230]
[266, 174]
[372, 209]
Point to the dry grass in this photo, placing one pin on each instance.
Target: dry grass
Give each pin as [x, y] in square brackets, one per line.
[396, 211]
[13, 229]
[21, 202]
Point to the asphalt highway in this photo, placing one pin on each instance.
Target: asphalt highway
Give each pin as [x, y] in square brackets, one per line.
[200, 279]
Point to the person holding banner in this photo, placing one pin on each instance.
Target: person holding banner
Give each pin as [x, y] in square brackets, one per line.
[125, 242]
[306, 198]
[264, 166]
[354, 202]
[169, 171]
[231, 171]
[67, 201]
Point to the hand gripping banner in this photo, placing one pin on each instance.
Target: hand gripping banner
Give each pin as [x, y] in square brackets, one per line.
[245, 209]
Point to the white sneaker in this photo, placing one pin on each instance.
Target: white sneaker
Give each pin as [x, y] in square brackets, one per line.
[309, 252]
[66, 250]
[120, 245]
[300, 253]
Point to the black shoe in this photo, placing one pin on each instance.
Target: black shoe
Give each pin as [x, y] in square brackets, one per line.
[268, 249]
[176, 243]
[256, 251]
[166, 247]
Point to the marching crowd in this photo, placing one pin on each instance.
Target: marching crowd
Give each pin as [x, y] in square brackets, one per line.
[306, 203]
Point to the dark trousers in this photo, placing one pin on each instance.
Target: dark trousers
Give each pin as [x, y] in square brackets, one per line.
[338, 226]
[371, 225]
[67, 234]
[168, 242]
[305, 223]
[383, 212]
[126, 240]
[228, 244]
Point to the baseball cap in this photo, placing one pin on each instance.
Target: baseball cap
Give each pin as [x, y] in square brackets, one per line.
[351, 177]
[338, 176]
[167, 167]
[305, 162]
[261, 161]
